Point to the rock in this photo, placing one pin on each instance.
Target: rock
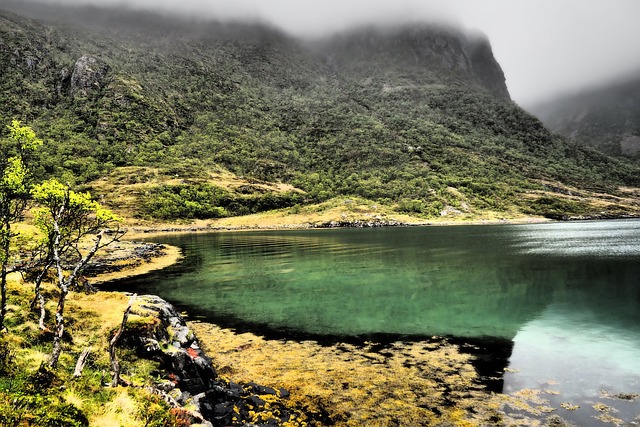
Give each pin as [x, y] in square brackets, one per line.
[191, 380]
[283, 393]
[359, 224]
[258, 389]
[123, 255]
[88, 76]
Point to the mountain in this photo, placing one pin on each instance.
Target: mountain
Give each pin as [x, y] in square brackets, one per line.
[606, 117]
[199, 118]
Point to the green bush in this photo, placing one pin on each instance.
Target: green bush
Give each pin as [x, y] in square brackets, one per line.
[554, 207]
[205, 201]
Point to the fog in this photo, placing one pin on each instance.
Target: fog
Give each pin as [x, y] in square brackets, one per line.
[545, 47]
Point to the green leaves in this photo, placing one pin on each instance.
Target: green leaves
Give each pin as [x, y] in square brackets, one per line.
[79, 208]
[14, 177]
[14, 184]
[24, 136]
[204, 200]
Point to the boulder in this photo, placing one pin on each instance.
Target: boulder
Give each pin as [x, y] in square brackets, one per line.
[88, 76]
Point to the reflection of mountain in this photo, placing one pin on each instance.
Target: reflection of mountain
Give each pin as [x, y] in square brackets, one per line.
[582, 346]
[565, 294]
[465, 282]
[416, 282]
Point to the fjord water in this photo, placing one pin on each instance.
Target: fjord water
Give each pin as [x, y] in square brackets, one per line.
[566, 294]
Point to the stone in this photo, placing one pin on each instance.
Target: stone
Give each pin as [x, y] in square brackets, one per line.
[88, 76]
[259, 389]
[191, 380]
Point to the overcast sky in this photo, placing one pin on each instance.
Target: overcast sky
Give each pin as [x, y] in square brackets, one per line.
[545, 47]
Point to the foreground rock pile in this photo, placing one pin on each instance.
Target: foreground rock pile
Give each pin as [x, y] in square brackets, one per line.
[192, 384]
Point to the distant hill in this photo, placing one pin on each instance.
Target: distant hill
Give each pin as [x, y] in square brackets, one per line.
[607, 117]
[416, 117]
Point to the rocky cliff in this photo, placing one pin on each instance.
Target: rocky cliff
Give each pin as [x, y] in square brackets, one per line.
[419, 48]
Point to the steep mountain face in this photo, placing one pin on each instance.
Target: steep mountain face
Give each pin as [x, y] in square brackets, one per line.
[418, 48]
[417, 116]
[607, 118]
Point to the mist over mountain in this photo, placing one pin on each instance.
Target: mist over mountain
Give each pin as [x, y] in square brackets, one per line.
[606, 117]
[414, 116]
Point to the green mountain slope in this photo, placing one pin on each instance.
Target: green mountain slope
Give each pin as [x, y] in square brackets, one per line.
[607, 117]
[415, 117]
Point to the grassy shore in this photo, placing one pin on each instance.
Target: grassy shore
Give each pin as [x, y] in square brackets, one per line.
[338, 210]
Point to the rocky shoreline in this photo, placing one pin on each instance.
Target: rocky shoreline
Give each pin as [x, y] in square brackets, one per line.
[122, 256]
[191, 384]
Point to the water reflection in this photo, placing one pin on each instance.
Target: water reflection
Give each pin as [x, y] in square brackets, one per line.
[583, 349]
[566, 294]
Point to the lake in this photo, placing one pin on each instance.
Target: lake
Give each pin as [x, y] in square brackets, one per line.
[563, 297]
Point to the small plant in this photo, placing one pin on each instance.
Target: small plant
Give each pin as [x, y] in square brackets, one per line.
[44, 378]
[7, 356]
[152, 410]
[38, 410]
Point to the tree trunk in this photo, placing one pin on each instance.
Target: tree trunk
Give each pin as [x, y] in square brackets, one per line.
[3, 298]
[82, 360]
[38, 299]
[4, 259]
[57, 338]
[115, 365]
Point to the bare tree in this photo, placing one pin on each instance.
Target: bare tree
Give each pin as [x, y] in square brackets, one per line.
[115, 365]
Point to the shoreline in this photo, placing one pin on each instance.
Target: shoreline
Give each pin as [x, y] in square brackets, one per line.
[234, 224]
[419, 383]
[247, 357]
[121, 262]
[136, 231]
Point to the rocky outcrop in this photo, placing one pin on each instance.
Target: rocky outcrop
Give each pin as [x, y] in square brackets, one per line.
[374, 223]
[88, 76]
[421, 46]
[122, 255]
[190, 382]
[485, 68]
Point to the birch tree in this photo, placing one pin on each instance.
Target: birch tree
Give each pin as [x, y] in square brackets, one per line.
[67, 220]
[15, 179]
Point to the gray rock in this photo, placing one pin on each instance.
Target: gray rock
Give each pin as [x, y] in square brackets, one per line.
[88, 76]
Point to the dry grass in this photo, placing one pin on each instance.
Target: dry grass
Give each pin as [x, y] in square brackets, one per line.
[120, 411]
[624, 199]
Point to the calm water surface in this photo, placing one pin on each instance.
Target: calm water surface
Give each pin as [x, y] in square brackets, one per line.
[566, 294]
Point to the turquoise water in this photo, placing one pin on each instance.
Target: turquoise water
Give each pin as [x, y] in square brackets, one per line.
[567, 295]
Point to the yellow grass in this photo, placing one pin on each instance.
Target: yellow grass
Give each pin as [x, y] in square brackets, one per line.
[121, 411]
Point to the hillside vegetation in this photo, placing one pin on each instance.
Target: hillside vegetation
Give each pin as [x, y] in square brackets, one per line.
[416, 118]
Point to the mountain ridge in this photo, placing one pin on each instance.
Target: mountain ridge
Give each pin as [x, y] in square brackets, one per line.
[419, 119]
[606, 116]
